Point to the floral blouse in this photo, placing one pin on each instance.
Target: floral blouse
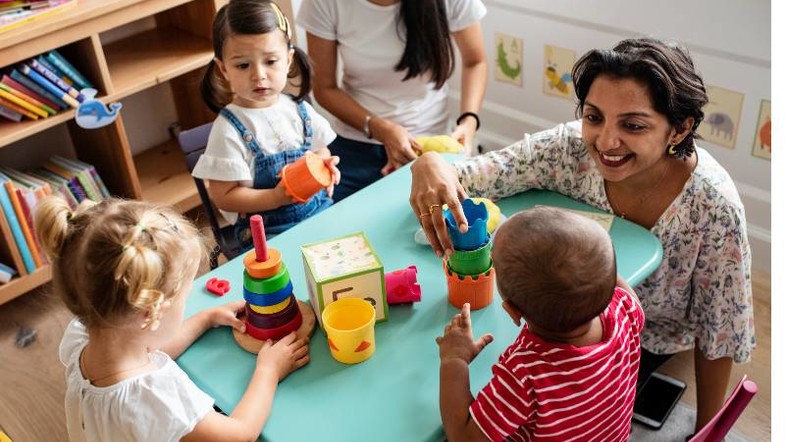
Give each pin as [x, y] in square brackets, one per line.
[703, 287]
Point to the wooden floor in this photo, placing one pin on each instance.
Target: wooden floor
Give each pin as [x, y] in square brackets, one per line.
[33, 386]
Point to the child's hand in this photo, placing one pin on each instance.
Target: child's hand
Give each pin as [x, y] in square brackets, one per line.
[281, 196]
[332, 163]
[226, 314]
[283, 357]
[458, 342]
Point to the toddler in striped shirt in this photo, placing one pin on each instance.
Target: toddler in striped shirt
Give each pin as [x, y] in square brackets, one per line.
[570, 374]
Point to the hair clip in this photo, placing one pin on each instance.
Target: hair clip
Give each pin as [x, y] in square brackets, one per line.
[283, 22]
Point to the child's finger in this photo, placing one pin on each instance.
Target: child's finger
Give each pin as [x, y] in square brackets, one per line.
[483, 341]
[302, 361]
[466, 316]
[288, 339]
[439, 340]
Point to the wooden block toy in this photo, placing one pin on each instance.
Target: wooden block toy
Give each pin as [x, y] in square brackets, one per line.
[271, 309]
[344, 267]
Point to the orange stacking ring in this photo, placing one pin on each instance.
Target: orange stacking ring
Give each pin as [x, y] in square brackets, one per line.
[264, 269]
[477, 290]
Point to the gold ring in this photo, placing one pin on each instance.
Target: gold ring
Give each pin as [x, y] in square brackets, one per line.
[432, 207]
[423, 215]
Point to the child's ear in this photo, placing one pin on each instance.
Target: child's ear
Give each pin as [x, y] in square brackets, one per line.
[221, 67]
[290, 56]
[513, 311]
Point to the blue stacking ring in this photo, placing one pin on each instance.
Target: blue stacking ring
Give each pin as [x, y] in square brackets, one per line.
[270, 298]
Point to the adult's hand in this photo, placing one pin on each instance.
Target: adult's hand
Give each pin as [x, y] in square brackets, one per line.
[465, 132]
[399, 144]
[435, 183]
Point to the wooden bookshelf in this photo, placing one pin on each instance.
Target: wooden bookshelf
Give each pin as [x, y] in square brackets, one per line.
[174, 52]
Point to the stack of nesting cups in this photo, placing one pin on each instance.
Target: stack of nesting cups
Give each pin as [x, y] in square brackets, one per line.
[271, 310]
[469, 270]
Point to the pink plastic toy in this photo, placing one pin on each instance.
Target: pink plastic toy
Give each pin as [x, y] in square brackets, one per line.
[402, 286]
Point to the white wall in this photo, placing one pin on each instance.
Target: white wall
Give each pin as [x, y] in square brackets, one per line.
[730, 43]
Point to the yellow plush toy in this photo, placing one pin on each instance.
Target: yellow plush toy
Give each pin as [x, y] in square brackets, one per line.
[439, 143]
[494, 213]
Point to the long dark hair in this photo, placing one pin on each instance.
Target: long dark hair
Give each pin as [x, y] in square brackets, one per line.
[428, 44]
[249, 17]
[676, 87]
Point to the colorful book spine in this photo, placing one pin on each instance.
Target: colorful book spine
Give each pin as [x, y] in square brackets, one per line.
[15, 227]
[21, 95]
[58, 185]
[51, 76]
[73, 182]
[20, 215]
[45, 63]
[7, 95]
[46, 84]
[6, 273]
[18, 109]
[33, 86]
[7, 112]
[80, 166]
[24, 89]
[67, 68]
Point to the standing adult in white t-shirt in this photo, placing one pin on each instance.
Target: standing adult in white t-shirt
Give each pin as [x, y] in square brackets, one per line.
[396, 57]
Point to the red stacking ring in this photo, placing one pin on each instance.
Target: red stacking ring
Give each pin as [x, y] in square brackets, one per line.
[273, 320]
[263, 334]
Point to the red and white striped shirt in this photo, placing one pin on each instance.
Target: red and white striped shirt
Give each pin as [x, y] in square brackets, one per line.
[547, 391]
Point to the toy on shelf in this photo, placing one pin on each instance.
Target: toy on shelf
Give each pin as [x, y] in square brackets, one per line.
[439, 143]
[344, 267]
[469, 270]
[402, 286]
[305, 177]
[271, 309]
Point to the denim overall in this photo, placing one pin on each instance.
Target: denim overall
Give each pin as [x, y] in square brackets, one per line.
[265, 176]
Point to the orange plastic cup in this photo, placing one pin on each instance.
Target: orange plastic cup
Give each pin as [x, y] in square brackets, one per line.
[477, 290]
[306, 176]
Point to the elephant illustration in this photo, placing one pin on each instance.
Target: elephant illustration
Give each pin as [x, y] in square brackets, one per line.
[721, 124]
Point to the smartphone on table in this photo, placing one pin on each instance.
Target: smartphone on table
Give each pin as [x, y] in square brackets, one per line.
[655, 401]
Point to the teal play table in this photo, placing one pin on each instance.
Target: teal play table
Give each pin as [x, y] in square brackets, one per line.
[393, 396]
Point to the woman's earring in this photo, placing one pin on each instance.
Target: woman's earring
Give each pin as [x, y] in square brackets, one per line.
[672, 150]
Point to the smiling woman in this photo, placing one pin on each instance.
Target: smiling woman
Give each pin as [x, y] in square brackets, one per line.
[634, 154]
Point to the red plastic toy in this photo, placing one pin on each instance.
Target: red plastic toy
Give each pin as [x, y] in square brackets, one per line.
[217, 286]
[402, 286]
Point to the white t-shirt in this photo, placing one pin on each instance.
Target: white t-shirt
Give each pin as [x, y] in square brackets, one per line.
[277, 128]
[162, 405]
[369, 46]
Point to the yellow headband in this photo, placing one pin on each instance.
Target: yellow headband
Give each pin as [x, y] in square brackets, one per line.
[283, 22]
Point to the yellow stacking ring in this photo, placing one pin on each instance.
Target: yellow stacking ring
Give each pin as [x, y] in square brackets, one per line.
[270, 309]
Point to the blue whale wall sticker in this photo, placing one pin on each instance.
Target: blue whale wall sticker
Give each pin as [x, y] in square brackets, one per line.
[92, 113]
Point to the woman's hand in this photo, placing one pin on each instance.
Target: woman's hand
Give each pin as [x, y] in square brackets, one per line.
[434, 183]
[465, 132]
[226, 314]
[399, 145]
[283, 357]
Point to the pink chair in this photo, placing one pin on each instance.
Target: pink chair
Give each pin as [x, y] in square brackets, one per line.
[722, 422]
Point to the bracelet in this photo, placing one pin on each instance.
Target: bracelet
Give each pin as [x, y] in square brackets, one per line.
[468, 114]
[367, 126]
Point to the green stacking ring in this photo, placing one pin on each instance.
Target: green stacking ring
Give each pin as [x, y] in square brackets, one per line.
[267, 285]
[471, 262]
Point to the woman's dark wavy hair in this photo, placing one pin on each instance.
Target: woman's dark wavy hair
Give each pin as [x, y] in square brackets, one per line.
[247, 17]
[428, 44]
[666, 67]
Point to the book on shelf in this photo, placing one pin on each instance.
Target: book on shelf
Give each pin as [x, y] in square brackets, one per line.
[18, 109]
[58, 184]
[15, 227]
[6, 273]
[54, 79]
[7, 112]
[67, 68]
[30, 192]
[30, 11]
[30, 93]
[22, 96]
[54, 102]
[22, 218]
[48, 85]
[74, 182]
[8, 96]
[92, 178]
[60, 74]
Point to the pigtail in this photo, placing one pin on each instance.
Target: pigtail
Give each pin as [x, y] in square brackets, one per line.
[213, 89]
[302, 68]
[51, 221]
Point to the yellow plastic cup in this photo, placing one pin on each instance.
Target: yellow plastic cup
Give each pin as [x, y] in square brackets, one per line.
[349, 324]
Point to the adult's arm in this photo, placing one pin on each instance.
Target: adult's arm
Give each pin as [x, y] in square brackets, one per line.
[396, 140]
[711, 378]
[474, 79]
